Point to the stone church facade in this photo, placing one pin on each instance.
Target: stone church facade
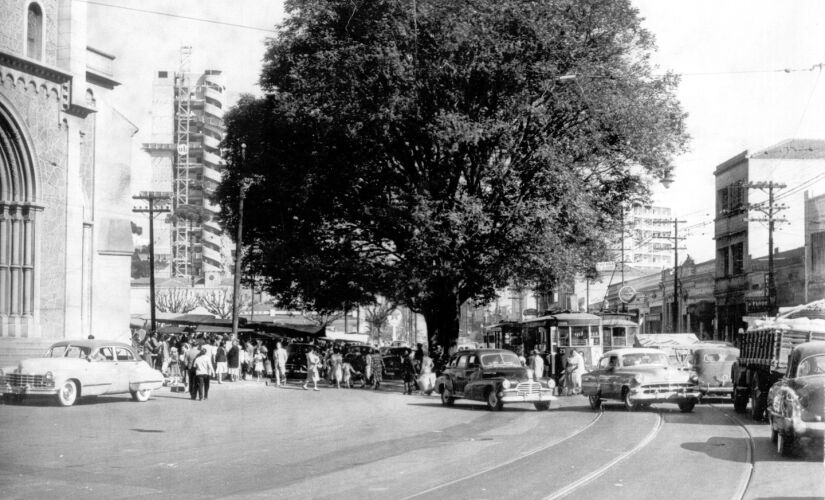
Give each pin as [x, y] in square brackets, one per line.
[65, 236]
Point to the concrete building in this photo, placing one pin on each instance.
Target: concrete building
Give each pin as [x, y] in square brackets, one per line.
[65, 170]
[814, 255]
[795, 167]
[187, 129]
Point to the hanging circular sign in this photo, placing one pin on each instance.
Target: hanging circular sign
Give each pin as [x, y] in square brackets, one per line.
[183, 149]
[627, 294]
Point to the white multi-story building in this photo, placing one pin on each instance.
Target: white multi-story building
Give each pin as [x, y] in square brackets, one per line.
[187, 129]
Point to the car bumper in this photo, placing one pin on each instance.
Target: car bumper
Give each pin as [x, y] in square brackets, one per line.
[534, 397]
[27, 390]
[657, 396]
[716, 392]
[800, 427]
[145, 385]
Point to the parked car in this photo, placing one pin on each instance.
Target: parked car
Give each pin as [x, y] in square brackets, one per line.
[392, 360]
[296, 357]
[72, 369]
[639, 376]
[494, 376]
[796, 402]
[710, 366]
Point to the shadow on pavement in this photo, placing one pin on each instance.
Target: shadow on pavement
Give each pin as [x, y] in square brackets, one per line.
[722, 448]
[45, 401]
[471, 406]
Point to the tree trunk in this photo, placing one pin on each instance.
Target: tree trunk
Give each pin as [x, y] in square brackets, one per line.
[442, 320]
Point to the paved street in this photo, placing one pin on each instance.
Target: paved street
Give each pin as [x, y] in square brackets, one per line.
[251, 440]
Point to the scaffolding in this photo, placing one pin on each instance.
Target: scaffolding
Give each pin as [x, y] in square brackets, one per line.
[181, 244]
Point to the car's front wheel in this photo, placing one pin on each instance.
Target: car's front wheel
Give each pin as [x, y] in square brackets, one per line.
[627, 398]
[542, 405]
[141, 396]
[687, 406]
[447, 398]
[494, 403]
[784, 443]
[67, 394]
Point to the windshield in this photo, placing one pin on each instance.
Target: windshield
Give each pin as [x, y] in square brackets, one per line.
[644, 358]
[812, 365]
[714, 357]
[68, 351]
[500, 359]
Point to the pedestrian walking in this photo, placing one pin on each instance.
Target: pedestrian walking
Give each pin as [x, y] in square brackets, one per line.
[149, 346]
[280, 356]
[189, 361]
[204, 371]
[174, 367]
[408, 371]
[336, 362]
[313, 362]
[426, 381]
[347, 372]
[575, 369]
[377, 367]
[221, 364]
[163, 354]
[258, 364]
[233, 361]
[537, 363]
[366, 369]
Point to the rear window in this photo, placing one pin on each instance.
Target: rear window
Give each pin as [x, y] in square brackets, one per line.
[500, 359]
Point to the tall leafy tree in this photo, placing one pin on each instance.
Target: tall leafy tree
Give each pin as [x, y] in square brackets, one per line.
[433, 151]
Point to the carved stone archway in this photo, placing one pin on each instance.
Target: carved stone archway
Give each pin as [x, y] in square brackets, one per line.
[18, 210]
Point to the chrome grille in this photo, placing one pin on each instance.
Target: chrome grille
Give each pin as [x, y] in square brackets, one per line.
[21, 380]
[525, 388]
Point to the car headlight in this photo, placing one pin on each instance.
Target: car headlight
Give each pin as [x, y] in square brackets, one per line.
[694, 377]
[505, 384]
[551, 383]
[48, 376]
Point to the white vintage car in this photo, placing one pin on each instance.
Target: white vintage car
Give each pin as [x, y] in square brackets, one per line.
[71, 369]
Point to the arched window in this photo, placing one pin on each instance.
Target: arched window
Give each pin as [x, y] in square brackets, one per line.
[34, 32]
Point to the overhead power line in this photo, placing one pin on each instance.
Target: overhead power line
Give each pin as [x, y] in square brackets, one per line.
[177, 16]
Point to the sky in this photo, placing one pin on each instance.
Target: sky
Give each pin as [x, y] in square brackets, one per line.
[732, 55]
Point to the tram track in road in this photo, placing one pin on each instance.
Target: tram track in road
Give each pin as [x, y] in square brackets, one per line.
[747, 477]
[563, 492]
[542, 467]
[509, 462]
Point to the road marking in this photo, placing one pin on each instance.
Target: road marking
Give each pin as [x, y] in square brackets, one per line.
[508, 462]
[744, 483]
[598, 472]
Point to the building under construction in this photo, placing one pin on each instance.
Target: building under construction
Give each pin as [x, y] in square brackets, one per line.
[187, 129]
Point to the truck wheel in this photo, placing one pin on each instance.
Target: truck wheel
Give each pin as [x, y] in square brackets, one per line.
[629, 404]
[757, 405]
[493, 401]
[740, 401]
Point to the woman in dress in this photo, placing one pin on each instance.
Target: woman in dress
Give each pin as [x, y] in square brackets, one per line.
[336, 362]
[258, 364]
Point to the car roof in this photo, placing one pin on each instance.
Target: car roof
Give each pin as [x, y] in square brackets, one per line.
[482, 350]
[91, 343]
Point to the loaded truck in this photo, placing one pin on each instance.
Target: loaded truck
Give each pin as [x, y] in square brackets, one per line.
[763, 353]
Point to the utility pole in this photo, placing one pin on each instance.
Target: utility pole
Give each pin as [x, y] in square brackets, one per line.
[675, 238]
[236, 284]
[152, 197]
[770, 210]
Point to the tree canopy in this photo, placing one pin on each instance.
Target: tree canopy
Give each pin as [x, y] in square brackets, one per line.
[431, 152]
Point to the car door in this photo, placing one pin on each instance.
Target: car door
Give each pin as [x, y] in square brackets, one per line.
[472, 387]
[609, 381]
[127, 367]
[102, 372]
[590, 381]
[460, 374]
